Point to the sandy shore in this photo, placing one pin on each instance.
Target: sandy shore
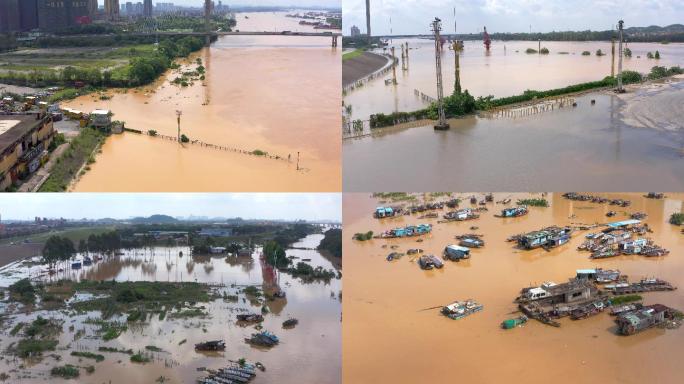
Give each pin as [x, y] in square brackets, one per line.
[359, 67]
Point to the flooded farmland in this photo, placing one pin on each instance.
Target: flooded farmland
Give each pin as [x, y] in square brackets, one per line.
[309, 352]
[282, 103]
[393, 331]
[617, 141]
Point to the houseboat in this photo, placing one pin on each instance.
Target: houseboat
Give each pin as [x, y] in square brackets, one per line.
[461, 214]
[408, 231]
[547, 238]
[520, 210]
[456, 253]
[471, 242]
[636, 321]
[382, 212]
[214, 345]
[427, 262]
[460, 309]
[263, 338]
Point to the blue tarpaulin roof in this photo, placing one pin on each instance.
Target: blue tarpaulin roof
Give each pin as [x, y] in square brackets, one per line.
[619, 224]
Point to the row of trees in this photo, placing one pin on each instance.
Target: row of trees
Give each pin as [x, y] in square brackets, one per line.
[58, 249]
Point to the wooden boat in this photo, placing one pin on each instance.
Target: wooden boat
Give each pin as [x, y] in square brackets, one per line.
[214, 345]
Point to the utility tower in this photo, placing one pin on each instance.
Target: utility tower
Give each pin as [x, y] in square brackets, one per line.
[620, 89]
[368, 29]
[612, 57]
[207, 21]
[436, 28]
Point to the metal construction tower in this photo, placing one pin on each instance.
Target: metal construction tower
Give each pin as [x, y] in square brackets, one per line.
[368, 29]
[620, 89]
[207, 21]
[457, 68]
[436, 28]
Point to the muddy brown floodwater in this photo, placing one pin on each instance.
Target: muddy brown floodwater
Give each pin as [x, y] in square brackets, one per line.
[310, 352]
[271, 93]
[388, 337]
[620, 143]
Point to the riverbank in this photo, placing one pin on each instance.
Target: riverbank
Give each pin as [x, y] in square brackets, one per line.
[360, 66]
[463, 105]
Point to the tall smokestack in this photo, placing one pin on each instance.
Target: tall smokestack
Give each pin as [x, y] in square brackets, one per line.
[368, 29]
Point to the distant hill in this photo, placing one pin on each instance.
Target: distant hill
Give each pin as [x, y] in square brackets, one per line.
[154, 219]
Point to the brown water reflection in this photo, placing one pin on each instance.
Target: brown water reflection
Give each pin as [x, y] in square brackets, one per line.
[309, 352]
[389, 338]
[272, 93]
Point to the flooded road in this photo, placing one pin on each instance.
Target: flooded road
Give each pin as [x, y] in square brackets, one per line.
[620, 143]
[310, 352]
[270, 93]
[501, 72]
[388, 337]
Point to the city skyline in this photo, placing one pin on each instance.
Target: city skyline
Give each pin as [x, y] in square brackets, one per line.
[413, 17]
[271, 206]
[266, 3]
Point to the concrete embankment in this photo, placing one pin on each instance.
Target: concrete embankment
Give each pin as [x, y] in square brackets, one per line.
[358, 67]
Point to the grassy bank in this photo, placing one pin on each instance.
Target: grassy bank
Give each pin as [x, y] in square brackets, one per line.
[352, 54]
[67, 166]
[462, 104]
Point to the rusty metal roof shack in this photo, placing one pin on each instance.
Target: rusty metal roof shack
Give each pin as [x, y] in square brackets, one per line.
[17, 127]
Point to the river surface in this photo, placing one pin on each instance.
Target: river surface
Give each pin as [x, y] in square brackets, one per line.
[501, 72]
[310, 352]
[524, 152]
[388, 337]
[271, 93]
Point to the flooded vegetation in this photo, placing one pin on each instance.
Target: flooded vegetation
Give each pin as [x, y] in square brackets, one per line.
[467, 276]
[179, 302]
[616, 135]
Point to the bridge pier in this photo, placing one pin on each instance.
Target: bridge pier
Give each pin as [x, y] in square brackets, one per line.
[334, 41]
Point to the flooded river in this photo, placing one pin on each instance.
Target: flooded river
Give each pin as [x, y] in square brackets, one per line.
[309, 352]
[530, 151]
[389, 337]
[501, 72]
[268, 93]
[619, 143]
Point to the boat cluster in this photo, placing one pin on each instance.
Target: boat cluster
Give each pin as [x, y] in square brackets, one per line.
[620, 239]
[596, 199]
[232, 374]
[589, 293]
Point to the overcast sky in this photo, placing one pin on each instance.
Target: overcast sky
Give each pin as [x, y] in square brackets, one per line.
[198, 3]
[287, 206]
[414, 16]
